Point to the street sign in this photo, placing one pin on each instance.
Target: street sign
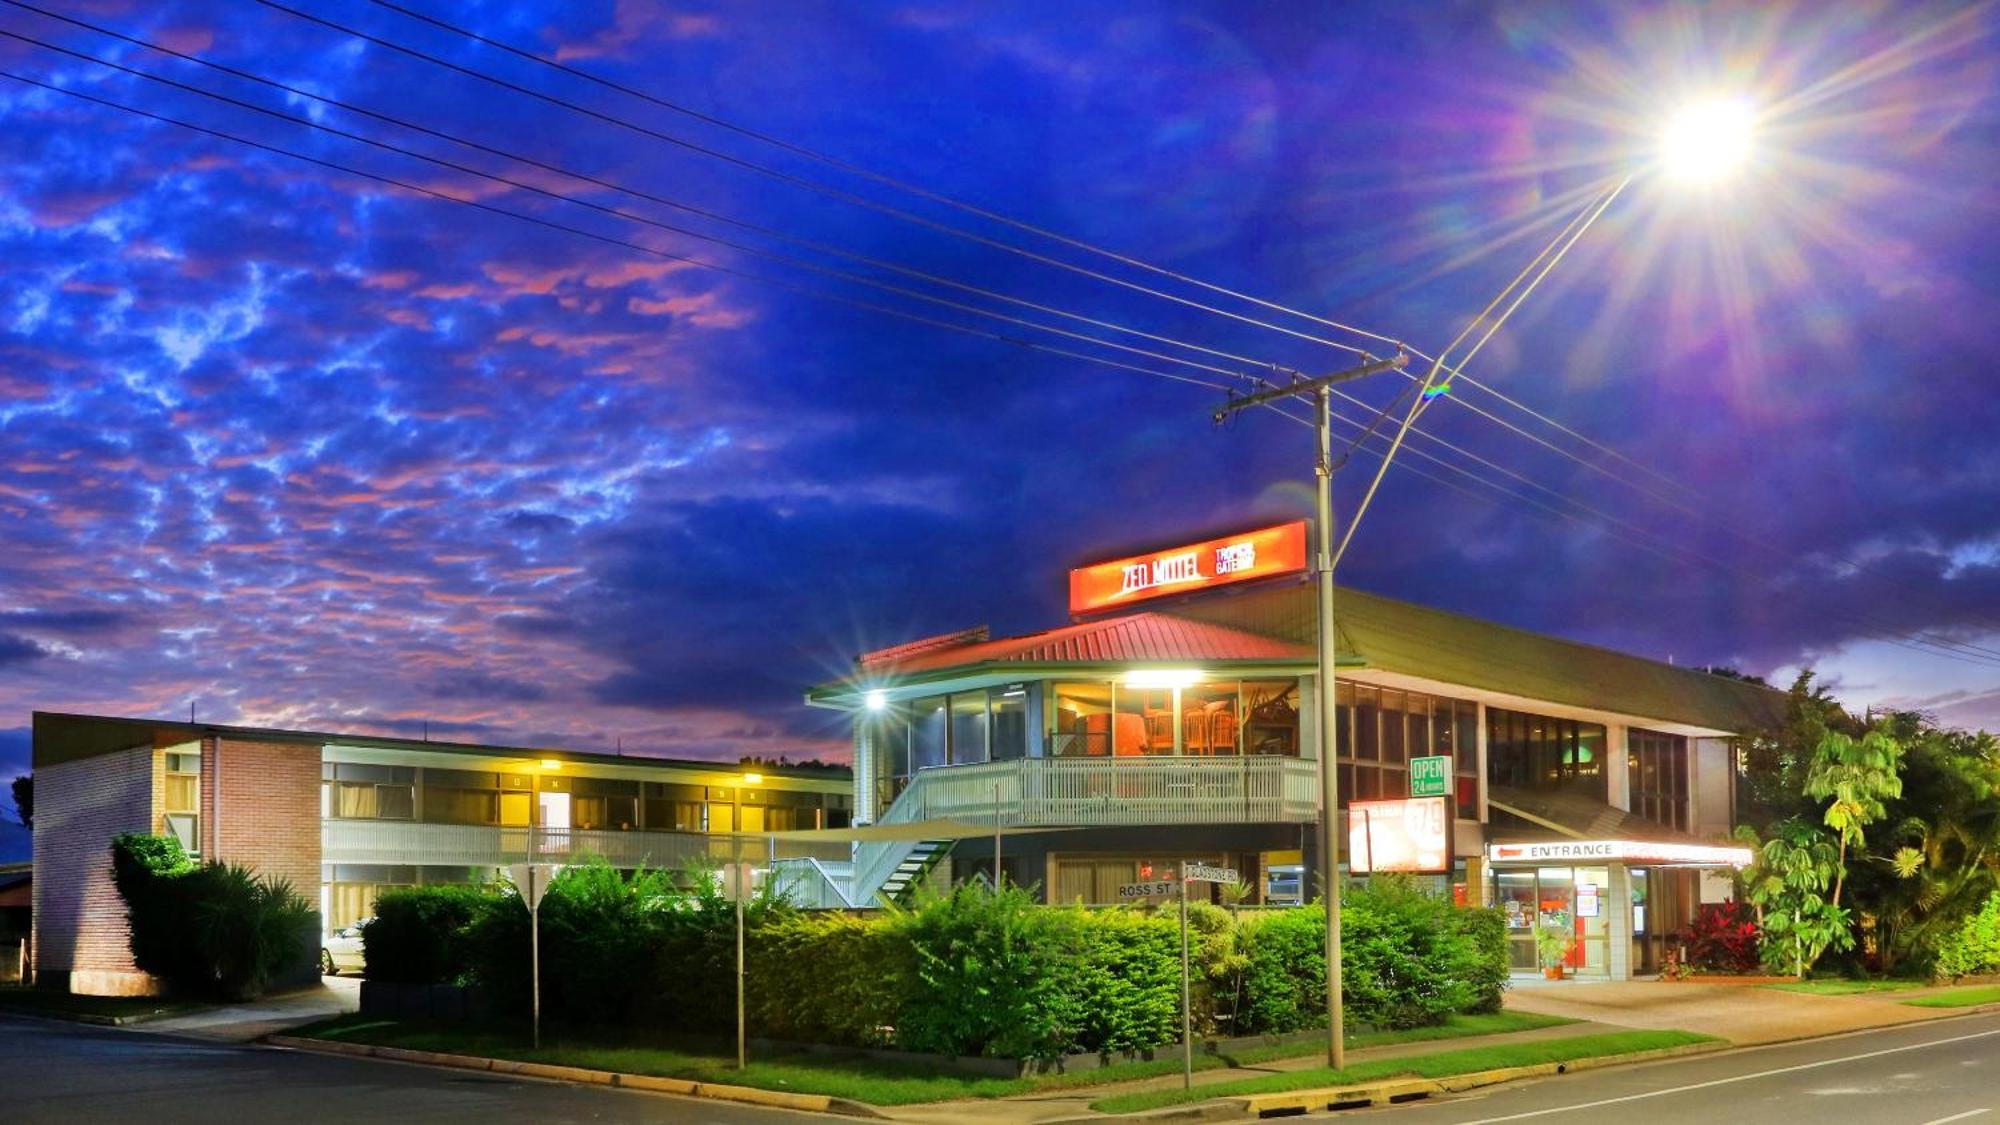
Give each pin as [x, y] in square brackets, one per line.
[1202, 873]
[1152, 888]
[1430, 776]
[532, 880]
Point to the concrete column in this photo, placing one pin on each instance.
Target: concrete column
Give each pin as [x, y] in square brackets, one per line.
[864, 769]
[1617, 770]
[1618, 929]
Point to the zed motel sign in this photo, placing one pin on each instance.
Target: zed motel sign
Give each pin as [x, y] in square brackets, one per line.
[1245, 557]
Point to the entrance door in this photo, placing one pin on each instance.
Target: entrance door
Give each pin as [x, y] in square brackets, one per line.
[552, 811]
[1514, 894]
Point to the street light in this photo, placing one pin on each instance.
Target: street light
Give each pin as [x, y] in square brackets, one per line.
[1708, 140]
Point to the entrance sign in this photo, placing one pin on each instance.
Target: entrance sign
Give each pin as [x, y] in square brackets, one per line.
[1430, 776]
[1153, 888]
[1413, 834]
[1245, 557]
[1629, 851]
[1202, 873]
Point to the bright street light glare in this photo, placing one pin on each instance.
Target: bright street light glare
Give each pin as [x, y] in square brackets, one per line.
[1708, 140]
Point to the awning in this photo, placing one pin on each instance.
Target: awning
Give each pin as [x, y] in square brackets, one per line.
[1649, 852]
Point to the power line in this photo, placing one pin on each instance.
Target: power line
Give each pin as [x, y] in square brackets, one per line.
[617, 212]
[584, 177]
[654, 251]
[795, 180]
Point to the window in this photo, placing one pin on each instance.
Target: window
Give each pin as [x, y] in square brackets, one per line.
[1009, 730]
[968, 727]
[1381, 729]
[356, 790]
[1081, 726]
[1271, 717]
[1525, 751]
[1656, 776]
[929, 732]
[180, 799]
[673, 808]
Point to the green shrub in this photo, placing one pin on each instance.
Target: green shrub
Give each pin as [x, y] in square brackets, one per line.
[1284, 982]
[1124, 990]
[826, 977]
[1974, 947]
[419, 934]
[215, 930]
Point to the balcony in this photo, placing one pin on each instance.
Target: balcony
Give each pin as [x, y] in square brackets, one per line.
[403, 842]
[1093, 792]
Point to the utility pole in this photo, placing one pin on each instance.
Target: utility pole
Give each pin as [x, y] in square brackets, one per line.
[1329, 742]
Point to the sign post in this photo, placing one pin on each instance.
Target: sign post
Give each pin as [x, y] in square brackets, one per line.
[532, 881]
[1187, 994]
[1430, 776]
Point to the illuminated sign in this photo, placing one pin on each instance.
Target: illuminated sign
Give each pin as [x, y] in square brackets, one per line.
[1265, 553]
[1629, 851]
[1413, 834]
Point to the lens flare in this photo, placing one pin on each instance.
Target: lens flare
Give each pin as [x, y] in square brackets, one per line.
[1707, 141]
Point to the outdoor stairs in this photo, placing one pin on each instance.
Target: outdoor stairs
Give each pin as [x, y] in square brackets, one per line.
[902, 882]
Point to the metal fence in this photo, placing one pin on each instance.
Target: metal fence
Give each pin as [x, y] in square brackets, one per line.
[467, 845]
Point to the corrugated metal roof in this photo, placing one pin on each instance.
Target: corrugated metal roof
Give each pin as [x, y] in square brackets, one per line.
[1276, 623]
[1140, 638]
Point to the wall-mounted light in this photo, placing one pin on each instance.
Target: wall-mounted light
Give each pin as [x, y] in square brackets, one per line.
[753, 779]
[876, 700]
[551, 764]
[1163, 677]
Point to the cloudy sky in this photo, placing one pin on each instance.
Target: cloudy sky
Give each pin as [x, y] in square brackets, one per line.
[510, 455]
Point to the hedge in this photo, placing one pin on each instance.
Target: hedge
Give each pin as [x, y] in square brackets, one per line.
[971, 972]
[212, 929]
[1974, 947]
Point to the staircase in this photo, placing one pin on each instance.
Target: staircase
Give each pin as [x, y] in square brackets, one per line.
[902, 882]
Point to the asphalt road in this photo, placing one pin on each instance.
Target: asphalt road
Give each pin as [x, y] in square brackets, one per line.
[1919, 1074]
[71, 1073]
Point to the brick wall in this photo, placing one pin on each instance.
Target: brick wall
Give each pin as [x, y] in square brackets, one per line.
[260, 808]
[80, 933]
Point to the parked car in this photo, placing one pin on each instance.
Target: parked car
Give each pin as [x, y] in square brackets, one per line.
[341, 950]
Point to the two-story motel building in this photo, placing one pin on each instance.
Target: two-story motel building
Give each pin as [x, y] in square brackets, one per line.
[343, 817]
[1174, 719]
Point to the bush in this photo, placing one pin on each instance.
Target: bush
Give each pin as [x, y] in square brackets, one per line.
[215, 930]
[419, 934]
[1722, 938]
[1284, 981]
[1974, 947]
[823, 977]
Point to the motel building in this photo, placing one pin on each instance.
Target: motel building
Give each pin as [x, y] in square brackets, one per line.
[344, 817]
[1174, 719]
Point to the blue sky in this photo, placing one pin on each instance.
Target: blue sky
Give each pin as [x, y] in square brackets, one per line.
[299, 447]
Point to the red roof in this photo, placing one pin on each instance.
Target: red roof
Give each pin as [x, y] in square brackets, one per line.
[1139, 638]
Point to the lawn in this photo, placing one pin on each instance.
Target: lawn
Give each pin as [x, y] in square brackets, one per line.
[1958, 997]
[1842, 987]
[1441, 1065]
[878, 1082]
[48, 1002]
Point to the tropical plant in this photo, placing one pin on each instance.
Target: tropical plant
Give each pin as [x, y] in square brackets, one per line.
[215, 929]
[1855, 777]
[1553, 943]
[1722, 937]
[1787, 881]
[1974, 947]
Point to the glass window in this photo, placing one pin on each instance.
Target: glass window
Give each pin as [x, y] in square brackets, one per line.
[1527, 751]
[928, 726]
[1271, 717]
[1080, 721]
[1394, 749]
[1143, 722]
[1382, 728]
[1010, 722]
[1656, 774]
[449, 805]
[968, 727]
[1209, 720]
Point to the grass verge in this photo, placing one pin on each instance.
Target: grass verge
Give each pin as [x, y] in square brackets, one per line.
[1840, 987]
[68, 1005]
[1958, 997]
[878, 1082]
[1441, 1065]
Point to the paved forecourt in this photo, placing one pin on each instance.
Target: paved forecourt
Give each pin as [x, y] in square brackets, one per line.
[63, 1073]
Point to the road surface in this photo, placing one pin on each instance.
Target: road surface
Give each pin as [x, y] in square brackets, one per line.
[1922, 1074]
[70, 1073]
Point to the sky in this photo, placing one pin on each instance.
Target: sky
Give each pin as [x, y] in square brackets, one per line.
[629, 460]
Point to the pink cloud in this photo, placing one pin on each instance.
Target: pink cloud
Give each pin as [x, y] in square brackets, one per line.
[637, 20]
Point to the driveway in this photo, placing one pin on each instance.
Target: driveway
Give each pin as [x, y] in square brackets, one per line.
[1743, 1014]
[242, 1023]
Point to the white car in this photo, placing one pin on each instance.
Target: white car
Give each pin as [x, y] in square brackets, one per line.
[340, 950]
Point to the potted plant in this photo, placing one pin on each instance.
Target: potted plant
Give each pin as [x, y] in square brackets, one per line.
[1552, 945]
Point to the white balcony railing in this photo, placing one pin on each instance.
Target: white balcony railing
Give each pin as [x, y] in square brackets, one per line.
[462, 845]
[1089, 793]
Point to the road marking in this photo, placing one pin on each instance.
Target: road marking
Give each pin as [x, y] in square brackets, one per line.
[1745, 1078]
[1958, 1116]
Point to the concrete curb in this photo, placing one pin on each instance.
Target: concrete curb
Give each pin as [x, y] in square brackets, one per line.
[1385, 1092]
[748, 1095]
